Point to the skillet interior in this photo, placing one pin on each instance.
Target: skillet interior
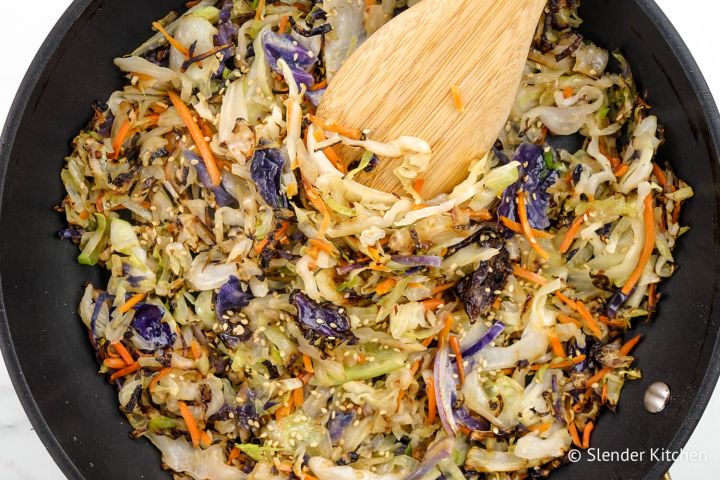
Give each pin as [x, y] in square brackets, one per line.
[46, 348]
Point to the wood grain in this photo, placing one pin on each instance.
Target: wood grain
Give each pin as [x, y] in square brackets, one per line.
[399, 82]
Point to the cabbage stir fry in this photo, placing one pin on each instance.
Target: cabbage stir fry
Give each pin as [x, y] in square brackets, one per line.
[268, 317]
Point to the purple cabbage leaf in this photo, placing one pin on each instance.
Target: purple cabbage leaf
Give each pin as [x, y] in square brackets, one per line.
[299, 59]
[266, 170]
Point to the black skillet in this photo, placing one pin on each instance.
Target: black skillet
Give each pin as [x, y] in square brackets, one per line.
[47, 350]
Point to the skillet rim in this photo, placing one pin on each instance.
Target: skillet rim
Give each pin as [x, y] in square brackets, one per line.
[40, 63]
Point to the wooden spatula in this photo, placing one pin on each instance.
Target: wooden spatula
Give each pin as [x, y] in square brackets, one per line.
[401, 81]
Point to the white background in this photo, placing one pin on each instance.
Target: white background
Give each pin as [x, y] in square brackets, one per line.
[23, 27]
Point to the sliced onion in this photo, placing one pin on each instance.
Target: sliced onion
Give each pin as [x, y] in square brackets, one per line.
[444, 390]
[485, 340]
[464, 416]
[344, 270]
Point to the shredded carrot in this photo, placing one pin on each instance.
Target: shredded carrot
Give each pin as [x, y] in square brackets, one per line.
[557, 347]
[457, 98]
[442, 288]
[586, 434]
[330, 152]
[572, 232]
[562, 318]
[627, 348]
[455, 345]
[540, 427]
[603, 396]
[318, 86]
[574, 435]
[99, 202]
[659, 174]
[125, 371]
[563, 364]
[507, 371]
[482, 214]
[321, 124]
[521, 272]
[197, 136]
[307, 364]
[205, 439]
[134, 300]
[159, 376]
[566, 300]
[115, 363]
[432, 303]
[177, 45]
[589, 320]
[428, 341]
[385, 286]
[432, 408]
[192, 426]
[282, 231]
[298, 396]
[419, 184]
[318, 203]
[621, 170]
[282, 412]
[568, 92]
[261, 245]
[84, 214]
[233, 455]
[612, 323]
[597, 378]
[525, 224]
[307, 476]
[282, 26]
[120, 137]
[517, 228]
[159, 107]
[321, 245]
[648, 246]
[196, 350]
[445, 332]
[120, 348]
[260, 10]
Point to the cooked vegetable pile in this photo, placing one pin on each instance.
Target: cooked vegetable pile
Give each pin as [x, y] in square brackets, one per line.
[268, 317]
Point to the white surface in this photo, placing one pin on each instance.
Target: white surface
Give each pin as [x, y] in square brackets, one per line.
[23, 26]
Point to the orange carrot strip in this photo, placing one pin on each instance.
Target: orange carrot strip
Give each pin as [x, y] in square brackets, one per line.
[621, 170]
[125, 371]
[457, 98]
[192, 425]
[115, 363]
[134, 300]
[589, 320]
[442, 288]
[321, 124]
[432, 408]
[566, 300]
[329, 151]
[205, 439]
[385, 286]
[525, 224]
[455, 345]
[119, 139]
[603, 396]
[627, 348]
[318, 86]
[648, 246]
[659, 174]
[197, 136]
[298, 396]
[177, 45]
[562, 318]
[597, 378]
[318, 203]
[120, 348]
[282, 231]
[195, 349]
[557, 347]
[540, 427]
[432, 303]
[574, 435]
[572, 232]
[528, 275]
[568, 92]
[517, 228]
[321, 245]
[260, 10]
[563, 364]
[586, 434]
[307, 363]
[445, 332]
[233, 455]
[282, 412]
[282, 26]
[418, 184]
[159, 376]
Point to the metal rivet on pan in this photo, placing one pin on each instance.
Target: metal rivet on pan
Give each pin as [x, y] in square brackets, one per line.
[657, 397]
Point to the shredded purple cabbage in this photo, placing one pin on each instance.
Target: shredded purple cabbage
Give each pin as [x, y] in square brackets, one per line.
[418, 260]
[485, 340]
[298, 58]
[222, 197]
[266, 170]
[148, 323]
[338, 423]
[69, 233]
[322, 321]
[467, 419]
[535, 179]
